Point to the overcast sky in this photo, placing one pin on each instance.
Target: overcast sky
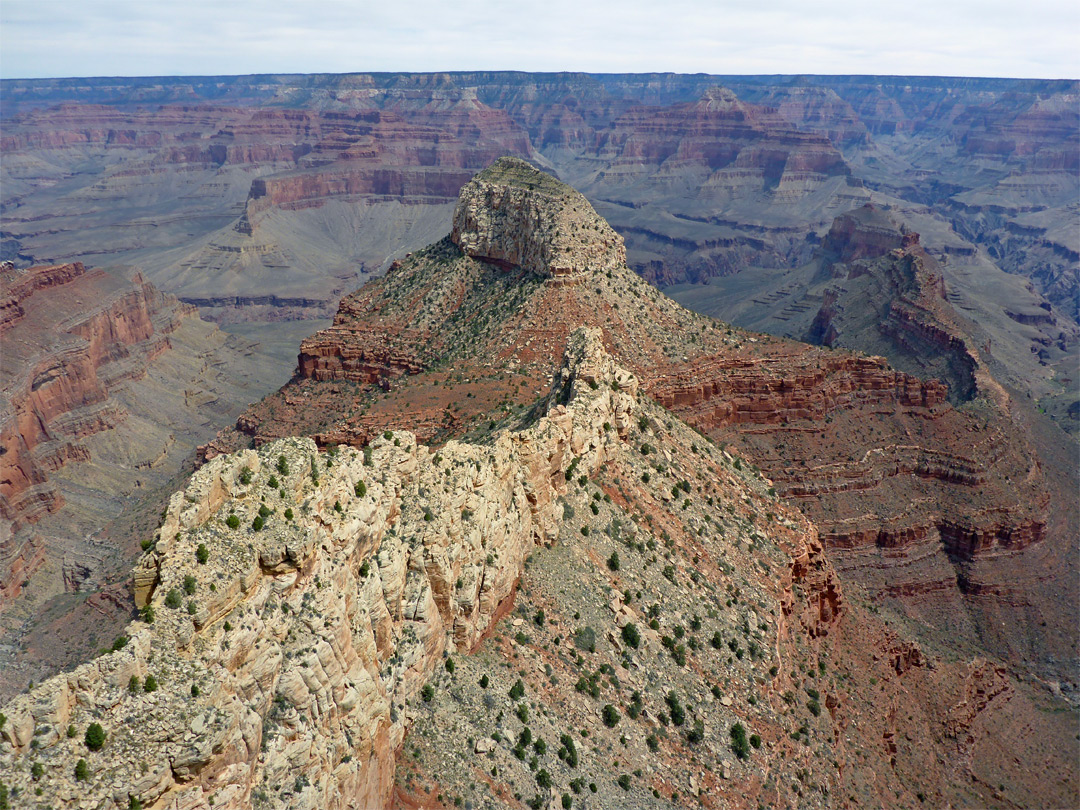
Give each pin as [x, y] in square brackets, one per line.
[1015, 38]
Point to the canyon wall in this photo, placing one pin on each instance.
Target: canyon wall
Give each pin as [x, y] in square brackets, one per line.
[78, 335]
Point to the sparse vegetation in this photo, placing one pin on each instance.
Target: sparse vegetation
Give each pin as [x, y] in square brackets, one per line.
[94, 737]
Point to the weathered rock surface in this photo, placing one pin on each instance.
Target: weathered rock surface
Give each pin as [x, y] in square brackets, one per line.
[511, 214]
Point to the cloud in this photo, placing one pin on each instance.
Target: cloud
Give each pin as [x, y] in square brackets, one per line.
[206, 37]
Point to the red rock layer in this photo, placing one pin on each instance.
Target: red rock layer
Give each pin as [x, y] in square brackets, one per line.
[717, 392]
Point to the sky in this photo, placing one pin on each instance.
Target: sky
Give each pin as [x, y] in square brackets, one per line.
[1004, 38]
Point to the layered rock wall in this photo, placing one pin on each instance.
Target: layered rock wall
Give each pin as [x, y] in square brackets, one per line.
[75, 335]
[717, 392]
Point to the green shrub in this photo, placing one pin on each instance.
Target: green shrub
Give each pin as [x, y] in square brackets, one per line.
[192, 608]
[245, 476]
[150, 684]
[484, 681]
[522, 712]
[95, 737]
[739, 744]
[449, 665]
[172, 598]
[610, 715]
[202, 554]
[257, 523]
[678, 713]
[613, 561]
[568, 753]
[624, 781]
[517, 691]
[360, 489]
[195, 691]
[71, 732]
[697, 733]
[585, 531]
[427, 693]
[288, 514]
[189, 584]
[232, 521]
[264, 511]
[133, 684]
[630, 635]
[755, 740]
[37, 770]
[283, 465]
[653, 742]
[82, 771]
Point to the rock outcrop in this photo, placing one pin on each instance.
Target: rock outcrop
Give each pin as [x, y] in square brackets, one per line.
[513, 215]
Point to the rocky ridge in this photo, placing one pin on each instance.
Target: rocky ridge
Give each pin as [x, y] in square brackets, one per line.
[438, 308]
[303, 632]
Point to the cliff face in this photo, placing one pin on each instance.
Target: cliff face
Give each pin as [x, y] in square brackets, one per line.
[60, 361]
[890, 292]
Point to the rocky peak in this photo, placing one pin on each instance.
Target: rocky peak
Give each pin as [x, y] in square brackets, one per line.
[516, 215]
